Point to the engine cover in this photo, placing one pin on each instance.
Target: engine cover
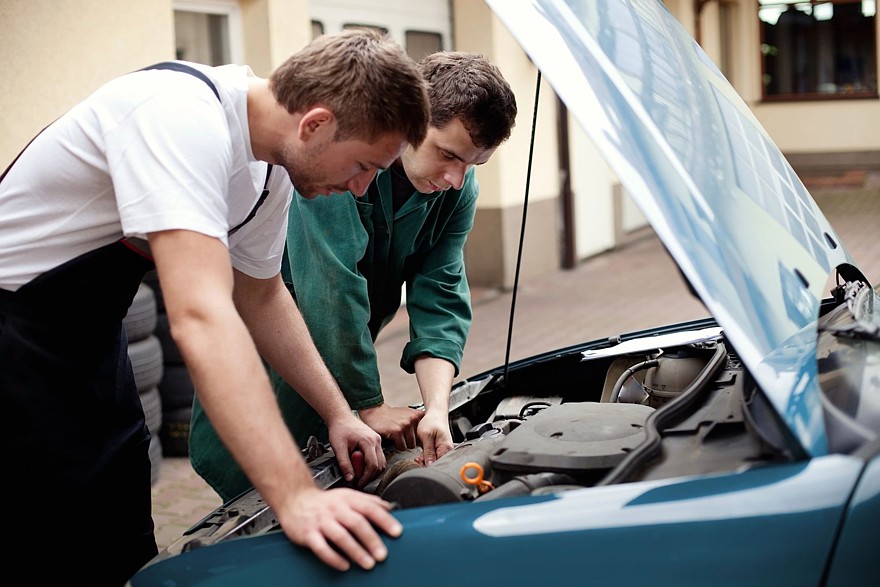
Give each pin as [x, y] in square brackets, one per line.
[573, 438]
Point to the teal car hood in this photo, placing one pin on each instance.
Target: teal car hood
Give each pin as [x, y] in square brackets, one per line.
[729, 208]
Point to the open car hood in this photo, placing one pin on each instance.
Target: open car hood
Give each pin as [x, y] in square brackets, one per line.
[727, 205]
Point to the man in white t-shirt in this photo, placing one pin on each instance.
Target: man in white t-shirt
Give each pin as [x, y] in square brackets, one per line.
[187, 168]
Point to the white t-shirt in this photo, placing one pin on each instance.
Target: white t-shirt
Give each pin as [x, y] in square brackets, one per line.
[149, 151]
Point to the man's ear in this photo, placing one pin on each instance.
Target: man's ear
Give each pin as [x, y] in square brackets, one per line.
[317, 122]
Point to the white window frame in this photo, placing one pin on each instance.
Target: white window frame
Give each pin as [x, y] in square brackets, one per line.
[228, 8]
[398, 16]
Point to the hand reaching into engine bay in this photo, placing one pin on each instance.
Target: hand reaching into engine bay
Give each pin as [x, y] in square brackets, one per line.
[435, 382]
[395, 424]
[434, 437]
[349, 435]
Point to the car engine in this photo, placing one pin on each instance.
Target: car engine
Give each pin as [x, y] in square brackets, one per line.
[536, 443]
[562, 422]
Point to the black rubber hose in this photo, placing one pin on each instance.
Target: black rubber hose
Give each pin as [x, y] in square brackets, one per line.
[525, 484]
[618, 385]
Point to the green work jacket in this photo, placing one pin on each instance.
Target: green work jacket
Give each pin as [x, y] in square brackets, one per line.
[346, 263]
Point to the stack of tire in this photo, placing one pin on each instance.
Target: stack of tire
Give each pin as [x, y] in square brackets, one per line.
[175, 388]
[145, 353]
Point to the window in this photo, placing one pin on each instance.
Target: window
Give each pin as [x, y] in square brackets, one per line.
[420, 43]
[317, 29]
[208, 31]
[818, 49]
[379, 29]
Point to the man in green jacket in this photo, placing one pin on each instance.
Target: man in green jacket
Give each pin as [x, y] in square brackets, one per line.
[348, 258]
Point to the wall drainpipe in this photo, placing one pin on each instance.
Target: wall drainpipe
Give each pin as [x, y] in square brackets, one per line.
[569, 256]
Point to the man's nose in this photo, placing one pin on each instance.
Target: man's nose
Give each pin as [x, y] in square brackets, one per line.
[455, 175]
[359, 183]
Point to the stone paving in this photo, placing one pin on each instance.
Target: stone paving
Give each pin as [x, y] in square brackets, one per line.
[633, 287]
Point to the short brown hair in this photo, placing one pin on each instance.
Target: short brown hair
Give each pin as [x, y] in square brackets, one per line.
[372, 86]
[469, 87]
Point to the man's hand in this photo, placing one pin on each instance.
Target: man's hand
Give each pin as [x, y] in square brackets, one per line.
[340, 518]
[435, 380]
[397, 424]
[434, 436]
[349, 434]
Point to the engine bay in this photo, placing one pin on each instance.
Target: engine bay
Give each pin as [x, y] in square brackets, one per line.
[558, 422]
[659, 413]
[556, 444]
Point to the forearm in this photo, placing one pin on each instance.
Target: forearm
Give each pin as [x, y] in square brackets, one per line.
[223, 362]
[435, 381]
[242, 408]
[283, 340]
[435, 378]
[438, 297]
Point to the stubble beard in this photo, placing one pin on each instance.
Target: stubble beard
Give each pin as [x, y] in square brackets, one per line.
[297, 171]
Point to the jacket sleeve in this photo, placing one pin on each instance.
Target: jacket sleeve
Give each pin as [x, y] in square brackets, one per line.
[437, 293]
[326, 239]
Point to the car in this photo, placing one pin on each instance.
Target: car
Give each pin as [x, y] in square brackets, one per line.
[738, 449]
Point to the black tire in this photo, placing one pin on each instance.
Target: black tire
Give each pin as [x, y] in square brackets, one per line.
[176, 388]
[140, 321]
[152, 279]
[169, 347]
[155, 452]
[175, 432]
[146, 362]
[151, 402]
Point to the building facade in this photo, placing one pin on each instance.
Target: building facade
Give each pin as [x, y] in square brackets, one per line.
[807, 70]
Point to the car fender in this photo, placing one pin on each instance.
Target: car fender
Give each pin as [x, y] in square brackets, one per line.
[856, 558]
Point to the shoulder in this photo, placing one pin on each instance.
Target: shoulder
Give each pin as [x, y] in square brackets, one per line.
[143, 86]
[178, 102]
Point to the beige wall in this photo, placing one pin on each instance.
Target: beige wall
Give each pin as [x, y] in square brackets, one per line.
[56, 52]
[289, 30]
[273, 30]
[53, 54]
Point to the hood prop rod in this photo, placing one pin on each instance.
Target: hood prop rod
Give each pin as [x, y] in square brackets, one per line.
[522, 232]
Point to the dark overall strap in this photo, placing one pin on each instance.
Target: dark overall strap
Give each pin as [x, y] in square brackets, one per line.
[183, 68]
[263, 196]
[138, 244]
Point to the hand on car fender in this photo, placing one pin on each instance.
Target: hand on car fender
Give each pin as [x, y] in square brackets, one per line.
[434, 436]
[344, 518]
[350, 435]
[396, 424]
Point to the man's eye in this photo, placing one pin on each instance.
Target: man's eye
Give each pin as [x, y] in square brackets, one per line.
[447, 155]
